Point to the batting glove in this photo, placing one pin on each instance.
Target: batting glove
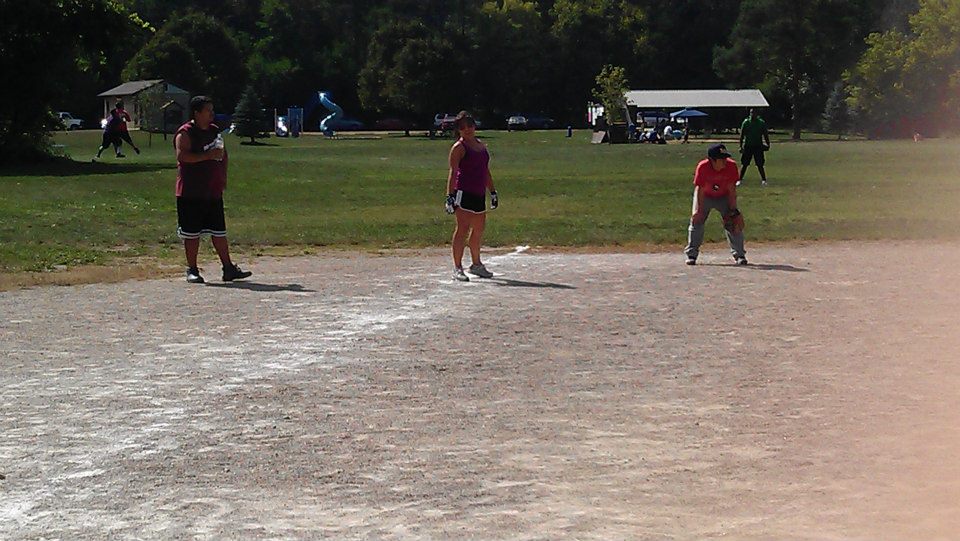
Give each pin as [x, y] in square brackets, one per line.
[494, 199]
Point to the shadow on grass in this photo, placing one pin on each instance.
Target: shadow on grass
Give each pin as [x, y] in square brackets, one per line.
[73, 168]
[263, 288]
[257, 144]
[506, 282]
[758, 266]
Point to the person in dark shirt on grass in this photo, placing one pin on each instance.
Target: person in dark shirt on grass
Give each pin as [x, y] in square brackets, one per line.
[201, 180]
[754, 141]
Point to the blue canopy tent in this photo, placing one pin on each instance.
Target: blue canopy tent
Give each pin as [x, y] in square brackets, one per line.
[687, 113]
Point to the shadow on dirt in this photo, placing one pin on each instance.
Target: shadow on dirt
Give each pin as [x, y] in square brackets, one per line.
[263, 288]
[757, 266]
[506, 282]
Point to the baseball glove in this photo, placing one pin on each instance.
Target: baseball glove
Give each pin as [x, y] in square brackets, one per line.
[733, 222]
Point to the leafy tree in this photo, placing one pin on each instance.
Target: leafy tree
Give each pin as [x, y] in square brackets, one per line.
[513, 50]
[44, 44]
[610, 90]
[680, 40]
[171, 59]
[797, 47]
[591, 34]
[197, 52]
[410, 68]
[836, 115]
[248, 116]
[911, 82]
[306, 46]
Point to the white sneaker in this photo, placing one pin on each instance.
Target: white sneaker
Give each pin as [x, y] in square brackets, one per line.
[481, 271]
[763, 183]
[459, 276]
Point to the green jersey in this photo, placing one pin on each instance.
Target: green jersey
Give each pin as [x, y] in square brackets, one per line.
[753, 131]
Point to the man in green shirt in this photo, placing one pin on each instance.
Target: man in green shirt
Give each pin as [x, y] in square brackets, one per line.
[754, 141]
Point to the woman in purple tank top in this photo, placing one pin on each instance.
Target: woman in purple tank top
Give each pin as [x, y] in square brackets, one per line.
[467, 186]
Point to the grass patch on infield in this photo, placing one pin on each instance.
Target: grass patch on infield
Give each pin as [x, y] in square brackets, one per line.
[389, 193]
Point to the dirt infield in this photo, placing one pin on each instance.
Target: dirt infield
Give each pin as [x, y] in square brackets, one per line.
[812, 395]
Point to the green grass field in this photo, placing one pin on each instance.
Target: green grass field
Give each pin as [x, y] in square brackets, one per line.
[307, 192]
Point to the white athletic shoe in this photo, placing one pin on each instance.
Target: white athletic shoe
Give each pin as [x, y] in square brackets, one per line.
[763, 183]
[459, 276]
[481, 271]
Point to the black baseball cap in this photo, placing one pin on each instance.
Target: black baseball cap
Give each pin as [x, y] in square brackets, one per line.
[715, 152]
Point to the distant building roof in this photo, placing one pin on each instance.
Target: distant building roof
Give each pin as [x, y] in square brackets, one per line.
[135, 87]
[656, 99]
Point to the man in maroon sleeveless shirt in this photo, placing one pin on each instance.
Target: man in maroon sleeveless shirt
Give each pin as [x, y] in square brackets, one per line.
[201, 179]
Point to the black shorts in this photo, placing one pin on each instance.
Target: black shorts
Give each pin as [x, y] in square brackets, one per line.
[125, 135]
[752, 153]
[109, 138]
[197, 217]
[476, 203]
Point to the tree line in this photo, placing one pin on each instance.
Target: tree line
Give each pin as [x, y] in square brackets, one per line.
[890, 65]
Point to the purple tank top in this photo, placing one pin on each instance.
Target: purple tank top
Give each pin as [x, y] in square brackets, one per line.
[472, 174]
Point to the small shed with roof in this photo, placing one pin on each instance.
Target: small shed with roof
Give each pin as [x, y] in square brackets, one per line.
[149, 102]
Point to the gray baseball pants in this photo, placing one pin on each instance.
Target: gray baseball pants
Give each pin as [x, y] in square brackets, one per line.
[695, 231]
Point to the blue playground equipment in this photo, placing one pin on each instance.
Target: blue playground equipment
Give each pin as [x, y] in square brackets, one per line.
[326, 125]
[295, 121]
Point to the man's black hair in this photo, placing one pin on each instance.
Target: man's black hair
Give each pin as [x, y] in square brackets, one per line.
[197, 103]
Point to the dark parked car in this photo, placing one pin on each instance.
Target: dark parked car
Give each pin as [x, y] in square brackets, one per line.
[516, 122]
[391, 124]
[540, 123]
[529, 122]
[346, 124]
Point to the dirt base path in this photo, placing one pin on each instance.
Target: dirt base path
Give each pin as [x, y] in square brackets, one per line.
[812, 395]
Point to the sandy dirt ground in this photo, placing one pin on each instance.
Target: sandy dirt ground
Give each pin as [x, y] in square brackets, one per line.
[811, 395]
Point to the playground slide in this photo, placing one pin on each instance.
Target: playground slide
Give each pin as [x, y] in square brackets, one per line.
[336, 113]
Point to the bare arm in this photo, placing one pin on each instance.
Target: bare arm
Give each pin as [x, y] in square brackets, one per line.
[184, 155]
[697, 205]
[456, 154]
[490, 181]
[732, 197]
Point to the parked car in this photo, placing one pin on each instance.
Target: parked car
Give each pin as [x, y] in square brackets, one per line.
[516, 122]
[391, 124]
[540, 123]
[68, 122]
[346, 124]
[529, 122]
[444, 122]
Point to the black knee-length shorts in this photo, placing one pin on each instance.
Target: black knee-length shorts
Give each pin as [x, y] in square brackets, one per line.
[198, 217]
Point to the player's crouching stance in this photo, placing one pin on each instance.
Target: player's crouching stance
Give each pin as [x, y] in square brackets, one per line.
[715, 188]
[467, 186]
[201, 179]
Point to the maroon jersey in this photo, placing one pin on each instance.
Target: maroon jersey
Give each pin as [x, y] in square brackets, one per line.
[118, 120]
[201, 180]
[473, 171]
